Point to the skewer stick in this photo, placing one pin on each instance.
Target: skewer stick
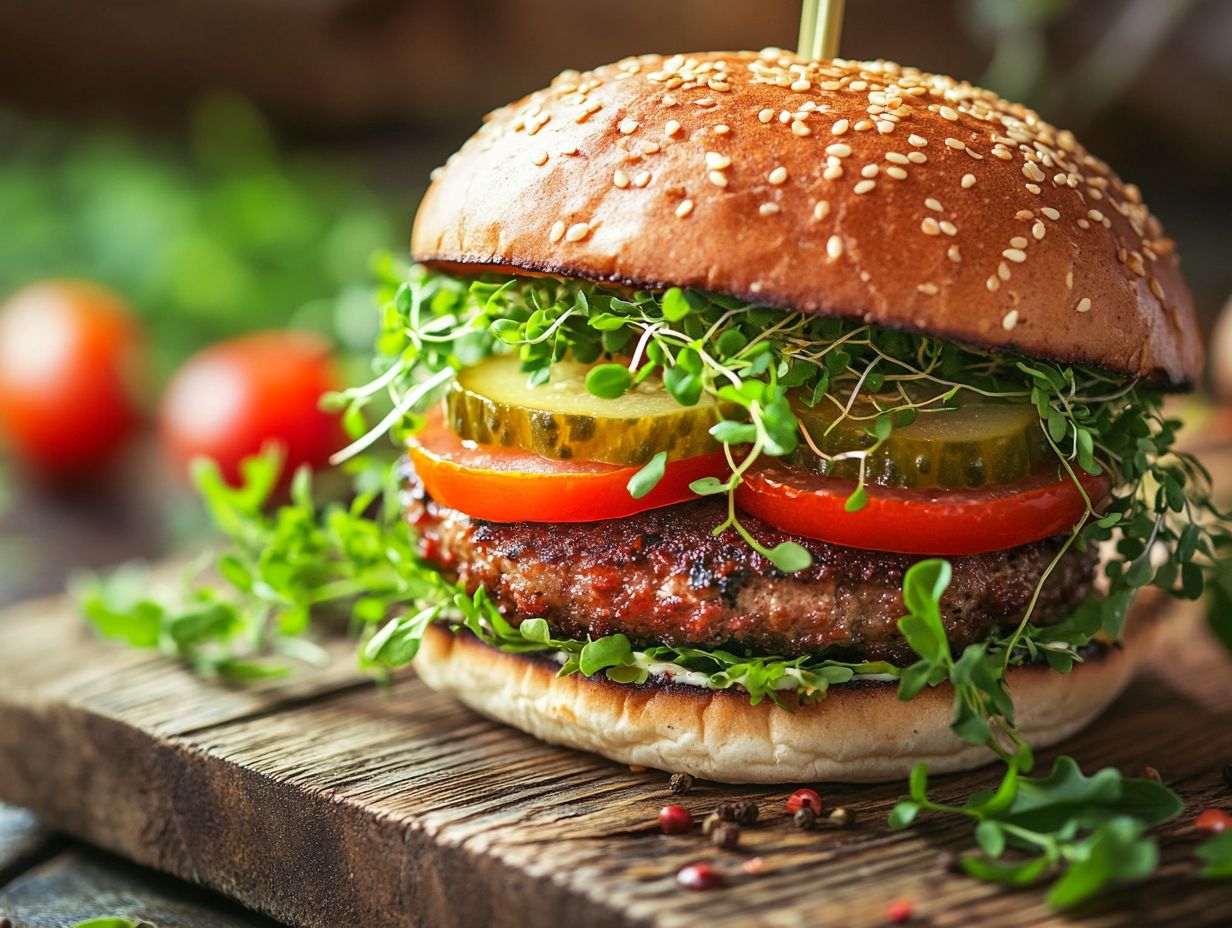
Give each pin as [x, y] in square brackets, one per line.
[821, 23]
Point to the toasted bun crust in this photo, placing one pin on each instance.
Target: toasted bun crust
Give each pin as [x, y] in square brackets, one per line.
[858, 733]
[854, 189]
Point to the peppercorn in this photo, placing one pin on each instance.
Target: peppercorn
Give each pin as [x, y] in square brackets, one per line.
[1227, 775]
[1152, 774]
[675, 820]
[802, 798]
[726, 835]
[5, 923]
[680, 783]
[710, 823]
[842, 817]
[742, 812]
[805, 818]
[900, 911]
[699, 876]
[1215, 820]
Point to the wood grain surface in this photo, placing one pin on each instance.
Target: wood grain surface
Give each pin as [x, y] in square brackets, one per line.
[324, 800]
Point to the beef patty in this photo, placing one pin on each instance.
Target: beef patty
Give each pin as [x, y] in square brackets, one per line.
[662, 577]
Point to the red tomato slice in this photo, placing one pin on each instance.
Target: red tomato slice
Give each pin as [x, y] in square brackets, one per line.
[510, 485]
[942, 522]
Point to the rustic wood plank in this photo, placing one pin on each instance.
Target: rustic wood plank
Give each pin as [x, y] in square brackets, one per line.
[325, 800]
[89, 884]
[23, 841]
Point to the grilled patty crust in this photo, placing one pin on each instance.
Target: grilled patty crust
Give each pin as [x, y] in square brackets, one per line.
[662, 577]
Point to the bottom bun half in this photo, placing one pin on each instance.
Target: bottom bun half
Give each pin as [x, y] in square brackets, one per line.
[860, 732]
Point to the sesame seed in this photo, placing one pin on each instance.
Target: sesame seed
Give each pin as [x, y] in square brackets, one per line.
[671, 128]
[1003, 271]
[1069, 280]
[1017, 255]
[955, 144]
[1084, 305]
[1023, 215]
[834, 247]
[1003, 153]
[949, 228]
[948, 113]
[917, 157]
[765, 115]
[800, 129]
[896, 157]
[1010, 320]
[1157, 289]
[863, 125]
[768, 209]
[558, 232]
[1083, 224]
[718, 178]
[778, 176]
[800, 85]
[933, 204]
[839, 127]
[1050, 212]
[930, 226]
[570, 150]
[968, 181]
[577, 232]
[628, 126]
[821, 210]
[869, 170]
[885, 127]
[1095, 215]
[721, 129]
[917, 141]
[717, 161]
[1032, 188]
[896, 172]
[954, 254]
[649, 148]
[620, 179]
[993, 284]
[1019, 242]
[1039, 230]
[685, 207]
[1031, 172]
[642, 179]
[838, 150]
[864, 186]
[929, 288]
[833, 172]
[973, 153]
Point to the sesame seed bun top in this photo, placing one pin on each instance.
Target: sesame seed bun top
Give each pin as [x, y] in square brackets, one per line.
[857, 189]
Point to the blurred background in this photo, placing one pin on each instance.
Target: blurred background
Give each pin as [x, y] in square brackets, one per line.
[224, 167]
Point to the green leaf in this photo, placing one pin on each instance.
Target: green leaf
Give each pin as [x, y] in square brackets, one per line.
[857, 500]
[708, 486]
[790, 557]
[608, 381]
[648, 477]
[903, 814]
[733, 433]
[612, 651]
[1115, 852]
[1216, 854]
[114, 921]
[674, 305]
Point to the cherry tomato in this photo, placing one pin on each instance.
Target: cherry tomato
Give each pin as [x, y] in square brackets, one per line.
[233, 398]
[71, 356]
[499, 484]
[933, 521]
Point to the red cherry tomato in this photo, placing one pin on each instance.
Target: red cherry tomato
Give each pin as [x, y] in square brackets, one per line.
[233, 398]
[937, 522]
[510, 485]
[71, 356]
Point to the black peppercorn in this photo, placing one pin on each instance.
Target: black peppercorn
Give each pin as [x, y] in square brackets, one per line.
[742, 812]
[680, 783]
[726, 835]
[5, 923]
[1152, 774]
[805, 819]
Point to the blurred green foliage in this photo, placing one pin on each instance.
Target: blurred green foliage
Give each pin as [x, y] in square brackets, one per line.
[218, 233]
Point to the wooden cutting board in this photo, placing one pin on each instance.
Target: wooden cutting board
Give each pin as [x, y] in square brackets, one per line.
[324, 801]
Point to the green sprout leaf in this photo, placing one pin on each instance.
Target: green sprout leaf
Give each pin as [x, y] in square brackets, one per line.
[648, 477]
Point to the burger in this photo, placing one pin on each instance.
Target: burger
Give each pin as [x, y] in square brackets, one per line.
[772, 419]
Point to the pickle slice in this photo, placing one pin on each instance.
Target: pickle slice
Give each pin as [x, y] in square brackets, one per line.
[978, 443]
[492, 403]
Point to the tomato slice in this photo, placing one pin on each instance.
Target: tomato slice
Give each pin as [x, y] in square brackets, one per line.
[932, 521]
[499, 484]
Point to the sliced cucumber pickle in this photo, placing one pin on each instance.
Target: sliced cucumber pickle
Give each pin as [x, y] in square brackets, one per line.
[492, 403]
[980, 442]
